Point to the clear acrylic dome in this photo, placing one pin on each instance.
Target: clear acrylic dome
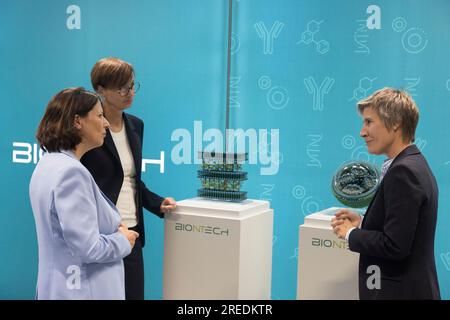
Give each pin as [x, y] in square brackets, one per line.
[354, 184]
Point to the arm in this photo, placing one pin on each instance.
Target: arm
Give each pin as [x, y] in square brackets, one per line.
[403, 200]
[76, 208]
[151, 201]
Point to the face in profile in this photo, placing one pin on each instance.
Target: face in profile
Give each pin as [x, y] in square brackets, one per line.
[93, 127]
[120, 98]
[379, 139]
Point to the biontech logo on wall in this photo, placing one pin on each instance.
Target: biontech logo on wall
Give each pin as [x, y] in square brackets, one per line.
[24, 152]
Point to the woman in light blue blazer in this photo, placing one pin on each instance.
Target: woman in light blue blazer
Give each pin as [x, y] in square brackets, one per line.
[81, 241]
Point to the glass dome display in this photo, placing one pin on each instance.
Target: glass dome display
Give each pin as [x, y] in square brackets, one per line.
[354, 184]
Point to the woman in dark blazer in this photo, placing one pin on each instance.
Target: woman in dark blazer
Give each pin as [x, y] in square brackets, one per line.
[396, 237]
[116, 165]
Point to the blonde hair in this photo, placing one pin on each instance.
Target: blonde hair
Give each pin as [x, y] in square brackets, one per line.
[394, 107]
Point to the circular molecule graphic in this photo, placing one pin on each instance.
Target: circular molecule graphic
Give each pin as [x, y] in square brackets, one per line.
[298, 192]
[399, 24]
[264, 82]
[348, 142]
[309, 205]
[354, 184]
[277, 98]
[414, 40]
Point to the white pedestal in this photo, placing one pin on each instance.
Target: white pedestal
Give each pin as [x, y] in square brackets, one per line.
[326, 268]
[218, 250]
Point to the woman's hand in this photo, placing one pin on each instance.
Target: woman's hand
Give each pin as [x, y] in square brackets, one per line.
[168, 204]
[129, 234]
[353, 217]
[343, 221]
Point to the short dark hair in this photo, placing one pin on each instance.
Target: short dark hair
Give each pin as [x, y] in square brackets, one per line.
[394, 107]
[111, 73]
[56, 130]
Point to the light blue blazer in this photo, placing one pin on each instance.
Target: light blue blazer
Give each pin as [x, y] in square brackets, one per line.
[80, 247]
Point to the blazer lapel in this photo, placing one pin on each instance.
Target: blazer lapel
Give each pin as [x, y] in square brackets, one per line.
[109, 143]
[412, 149]
[370, 204]
[135, 144]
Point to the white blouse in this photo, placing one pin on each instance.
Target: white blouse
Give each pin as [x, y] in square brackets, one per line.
[126, 202]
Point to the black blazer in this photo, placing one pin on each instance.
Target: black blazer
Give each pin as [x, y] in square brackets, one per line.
[397, 233]
[104, 164]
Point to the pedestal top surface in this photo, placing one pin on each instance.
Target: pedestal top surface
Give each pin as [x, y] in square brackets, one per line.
[321, 219]
[200, 206]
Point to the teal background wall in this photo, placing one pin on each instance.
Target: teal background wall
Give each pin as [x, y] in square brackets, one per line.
[298, 66]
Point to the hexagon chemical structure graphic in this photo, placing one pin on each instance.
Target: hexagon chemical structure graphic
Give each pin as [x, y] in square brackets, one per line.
[365, 84]
[309, 36]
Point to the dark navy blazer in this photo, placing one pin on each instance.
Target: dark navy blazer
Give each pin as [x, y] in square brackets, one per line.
[398, 230]
[104, 165]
